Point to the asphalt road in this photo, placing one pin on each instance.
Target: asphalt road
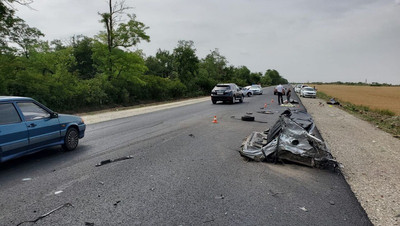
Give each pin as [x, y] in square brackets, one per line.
[185, 170]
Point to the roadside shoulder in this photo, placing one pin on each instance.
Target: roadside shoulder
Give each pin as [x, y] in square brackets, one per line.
[370, 159]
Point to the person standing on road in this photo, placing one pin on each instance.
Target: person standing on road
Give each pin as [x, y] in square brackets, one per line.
[280, 91]
[288, 94]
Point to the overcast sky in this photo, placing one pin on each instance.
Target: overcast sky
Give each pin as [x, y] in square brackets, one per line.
[305, 40]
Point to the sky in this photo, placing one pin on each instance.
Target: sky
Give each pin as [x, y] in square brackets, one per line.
[304, 40]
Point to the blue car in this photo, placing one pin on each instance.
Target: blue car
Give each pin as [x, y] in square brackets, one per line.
[27, 126]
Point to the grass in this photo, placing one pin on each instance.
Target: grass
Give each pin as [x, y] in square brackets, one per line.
[384, 119]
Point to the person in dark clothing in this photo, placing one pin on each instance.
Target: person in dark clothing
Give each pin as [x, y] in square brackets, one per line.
[288, 94]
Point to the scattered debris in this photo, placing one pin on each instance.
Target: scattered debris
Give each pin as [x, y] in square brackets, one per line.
[293, 101]
[274, 193]
[152, 189]
[292, 138]
[117, 202]
[58, 192]
[288, 105]
[398, 215]
[321, 104]
[89, 224]
[27, 179]
[209, 221]
[332, 101]
[248, 118]
[332, 203]
[191, 135]
[265, 112]
[303, 208]
[47, 214]
[220, 197]
[249, 113]
[114, 160]
[101, 182]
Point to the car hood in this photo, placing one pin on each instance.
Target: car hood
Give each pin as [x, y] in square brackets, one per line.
[64, 118]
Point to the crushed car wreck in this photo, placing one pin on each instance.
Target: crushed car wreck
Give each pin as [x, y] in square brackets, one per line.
[293, 138]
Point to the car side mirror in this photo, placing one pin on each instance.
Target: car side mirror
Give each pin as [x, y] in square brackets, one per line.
[53, 115]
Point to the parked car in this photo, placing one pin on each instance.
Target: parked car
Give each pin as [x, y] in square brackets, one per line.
[247, 91]
[257, 90]
[27, 126]
[228, 92]
[308, 92]
[298, 88]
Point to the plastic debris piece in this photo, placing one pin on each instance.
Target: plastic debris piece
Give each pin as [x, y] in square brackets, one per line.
[89, 224]
[47, 214]
[332, 203]
[117, 202]
[27, 179]
[220, 197]
[265, 112]
[58, 192]
[303, 208]
[104, 162]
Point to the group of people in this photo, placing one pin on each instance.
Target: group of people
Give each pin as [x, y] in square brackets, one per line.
[281, 92]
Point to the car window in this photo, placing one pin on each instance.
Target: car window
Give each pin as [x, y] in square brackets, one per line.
[222, 87]
[8, 114]
[309, 89]
[31, 111]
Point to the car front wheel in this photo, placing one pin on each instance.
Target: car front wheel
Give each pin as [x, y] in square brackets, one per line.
[241, 99]
[71, 139]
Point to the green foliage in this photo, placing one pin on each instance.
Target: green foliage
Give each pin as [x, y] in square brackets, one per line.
[185, 61]
[275, 77]
[89, 73]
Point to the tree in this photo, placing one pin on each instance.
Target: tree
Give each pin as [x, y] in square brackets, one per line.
[14, 30]
[161, 65]
[120, 34]
[275, 77]
[83, 51]
[186, 61]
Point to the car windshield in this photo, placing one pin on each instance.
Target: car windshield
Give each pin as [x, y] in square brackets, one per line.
[309, 89]
[222, 87]
[255, 87]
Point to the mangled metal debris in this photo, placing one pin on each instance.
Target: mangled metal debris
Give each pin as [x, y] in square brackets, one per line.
[293, 138]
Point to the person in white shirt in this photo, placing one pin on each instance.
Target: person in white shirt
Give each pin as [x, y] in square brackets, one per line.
[280, 91]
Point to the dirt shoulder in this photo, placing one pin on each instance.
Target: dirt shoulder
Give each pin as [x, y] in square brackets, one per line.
[369, 156]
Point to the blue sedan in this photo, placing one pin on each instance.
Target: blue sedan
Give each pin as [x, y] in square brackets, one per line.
[27, 126]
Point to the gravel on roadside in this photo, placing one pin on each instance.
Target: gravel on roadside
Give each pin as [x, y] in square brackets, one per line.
[370, 159]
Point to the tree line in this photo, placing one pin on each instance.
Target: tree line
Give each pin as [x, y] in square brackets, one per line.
[108, 69]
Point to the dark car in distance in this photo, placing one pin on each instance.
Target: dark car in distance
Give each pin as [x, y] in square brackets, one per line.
[227, 92]
[27, 126]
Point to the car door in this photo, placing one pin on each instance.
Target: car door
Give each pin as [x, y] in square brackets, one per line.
[43, 130]
[13, 132]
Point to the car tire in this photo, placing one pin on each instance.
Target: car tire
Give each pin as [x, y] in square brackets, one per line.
[214, 101]
[247, 118]
[249, 94]
[241, 99]
[71, 139]
[233, 100]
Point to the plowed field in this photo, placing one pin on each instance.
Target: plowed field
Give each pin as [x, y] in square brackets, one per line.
[383, 98]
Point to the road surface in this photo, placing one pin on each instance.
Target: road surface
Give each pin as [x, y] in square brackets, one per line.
[185, 170]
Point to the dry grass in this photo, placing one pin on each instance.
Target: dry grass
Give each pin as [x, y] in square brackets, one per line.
[378, 98]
